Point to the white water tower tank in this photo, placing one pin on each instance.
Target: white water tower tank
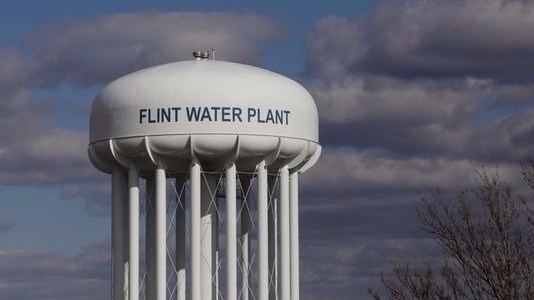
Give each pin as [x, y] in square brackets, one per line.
[211, 126]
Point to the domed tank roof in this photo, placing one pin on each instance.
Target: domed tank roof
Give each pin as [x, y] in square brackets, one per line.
[214, 113]
[203, 97]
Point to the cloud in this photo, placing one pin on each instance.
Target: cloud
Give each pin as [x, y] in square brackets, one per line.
[413, 79]
[38, 153]
[343, 269]
[96, 51]
[514, 93]
[413, 118]
[34, 275]
[96, 195]
[15, 70]
[412, 96]
[429, 39]
[395, 101]
[99, 50]
[360, 179]
[362, 216]
[5, 225]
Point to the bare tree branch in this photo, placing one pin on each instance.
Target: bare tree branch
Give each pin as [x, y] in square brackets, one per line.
[487, 235]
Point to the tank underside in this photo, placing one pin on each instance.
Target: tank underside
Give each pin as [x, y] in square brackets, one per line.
[213, 152]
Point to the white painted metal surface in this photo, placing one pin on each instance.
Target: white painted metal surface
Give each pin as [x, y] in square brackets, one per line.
[195, 232]
[161, 235]
[263, 233]
[231, 233]
[207, 207]
[133, 276]
[150, 240]
[294, 227]
[118, 229]
[126, 106]
[196, 118]
[180, 239]
[245, 181]
[285, 287]
[273, 236]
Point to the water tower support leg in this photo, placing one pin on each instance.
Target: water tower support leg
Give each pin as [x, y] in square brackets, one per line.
[150, 240]
[207, 244]
[215, 244]
[126, 239]
[231, 234]
[195, 231]
[284, 235]
[118, 245]
[272, 238]
[263, 233]
[133, 277]
[161, 235]
[245, 238]
[294, 211]
[180, 239]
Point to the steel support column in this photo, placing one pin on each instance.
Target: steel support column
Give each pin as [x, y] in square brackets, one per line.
[180, 239]
[195, 232]
[207, 245]
[284, 235]
[263, 233]
[119, 240]
[133, 274]
[245, 237]
[231, 233]
[294, 219]
[161, 234]
[272, 238]
[150, 240]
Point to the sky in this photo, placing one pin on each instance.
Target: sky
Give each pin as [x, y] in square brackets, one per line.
[412, 95]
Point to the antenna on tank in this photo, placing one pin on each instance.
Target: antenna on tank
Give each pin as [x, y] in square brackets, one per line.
[200, 55]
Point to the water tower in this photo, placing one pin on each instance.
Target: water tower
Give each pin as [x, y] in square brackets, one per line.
[219, 146]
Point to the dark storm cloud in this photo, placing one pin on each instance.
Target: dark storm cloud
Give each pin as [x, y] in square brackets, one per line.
[99, 50]
[429, 39]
